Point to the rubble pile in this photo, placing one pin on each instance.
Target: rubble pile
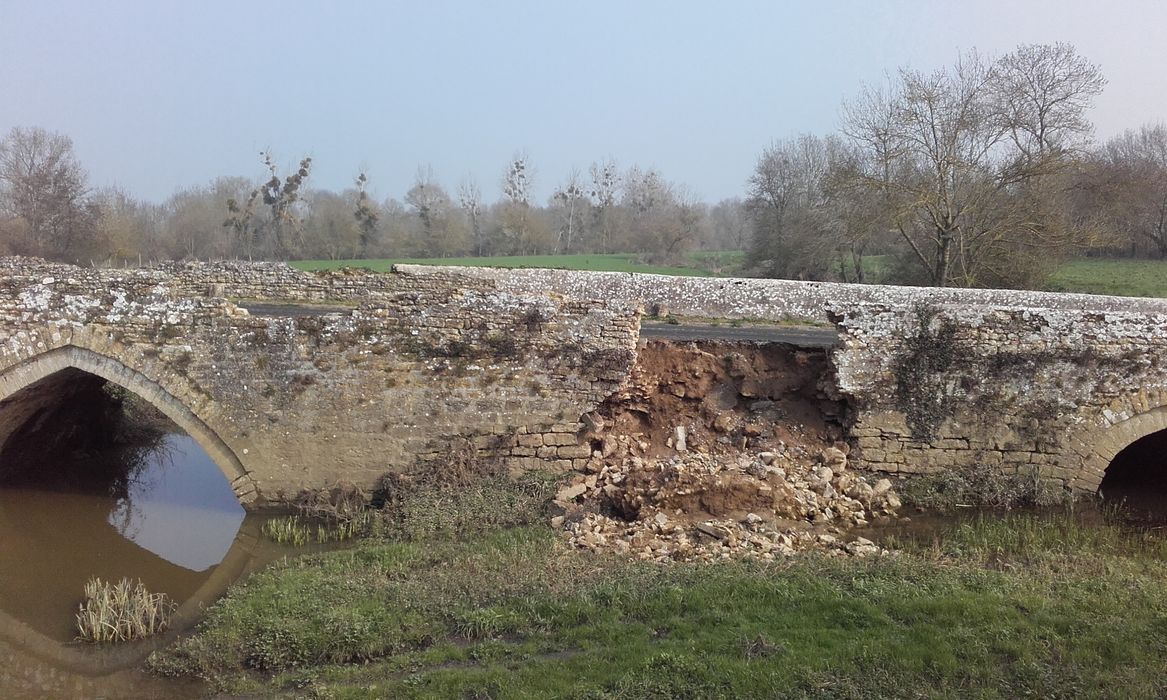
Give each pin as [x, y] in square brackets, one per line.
[703, 507]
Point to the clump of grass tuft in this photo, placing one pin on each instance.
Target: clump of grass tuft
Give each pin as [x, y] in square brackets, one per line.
[299, 531]
[122, 611]
[450, 511]
[287, 530]
[981, 485]
[1026, 538]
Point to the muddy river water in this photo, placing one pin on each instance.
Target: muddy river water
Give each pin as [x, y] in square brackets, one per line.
[177, 527]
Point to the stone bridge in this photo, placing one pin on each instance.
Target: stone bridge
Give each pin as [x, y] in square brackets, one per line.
[514, 362]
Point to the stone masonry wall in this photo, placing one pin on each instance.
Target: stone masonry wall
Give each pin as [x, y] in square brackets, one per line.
[1049, 384]
[307, 401]
[1050, 392]
[1055, 384]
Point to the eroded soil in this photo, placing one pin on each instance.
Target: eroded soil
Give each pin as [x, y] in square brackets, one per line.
[715, 450]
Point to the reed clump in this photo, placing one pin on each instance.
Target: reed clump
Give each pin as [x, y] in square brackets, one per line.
[121, 611]
[299, 530]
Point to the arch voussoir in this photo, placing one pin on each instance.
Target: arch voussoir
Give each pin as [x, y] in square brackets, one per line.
[37, 367]
[1109, 440]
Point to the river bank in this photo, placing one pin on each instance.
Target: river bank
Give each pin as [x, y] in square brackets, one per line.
[994, 606]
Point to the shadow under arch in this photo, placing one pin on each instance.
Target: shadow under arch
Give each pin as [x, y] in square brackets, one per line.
[38, 367]
[1108, 444]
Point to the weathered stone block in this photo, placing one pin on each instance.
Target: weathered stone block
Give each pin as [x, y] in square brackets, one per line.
[535, 440]
[558, 439]
[574, 451]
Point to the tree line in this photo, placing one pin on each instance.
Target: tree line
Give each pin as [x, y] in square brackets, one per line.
[981, 173]
[48, 210]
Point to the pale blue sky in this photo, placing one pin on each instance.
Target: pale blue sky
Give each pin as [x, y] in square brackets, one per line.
[160, 94]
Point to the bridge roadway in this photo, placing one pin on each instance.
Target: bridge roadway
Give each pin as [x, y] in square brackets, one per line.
[799, 336]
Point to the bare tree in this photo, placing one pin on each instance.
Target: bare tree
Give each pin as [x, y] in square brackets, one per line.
[786, 207]
[470, 199]
[282, 230]
[365, 213]
[660, 219]
[521, 230]
[330, 229]
[281, 197]
[129, 229]
[569, 197]
[44, 187]
[1134, 183]
[1043, 92]
[950, 164]
[603, 192]
[730, 224]
[442, 234]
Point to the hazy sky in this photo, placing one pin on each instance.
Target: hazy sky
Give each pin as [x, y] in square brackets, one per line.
[159, 95]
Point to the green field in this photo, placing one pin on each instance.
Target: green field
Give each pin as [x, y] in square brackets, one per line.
[704, 264]
[1128, 278]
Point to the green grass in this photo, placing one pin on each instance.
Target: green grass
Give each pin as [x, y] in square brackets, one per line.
[1131, 278]
[1010, 607]
[702, 264]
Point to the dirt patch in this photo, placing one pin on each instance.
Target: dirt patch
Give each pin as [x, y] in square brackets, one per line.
[722, 449]
[727, 396]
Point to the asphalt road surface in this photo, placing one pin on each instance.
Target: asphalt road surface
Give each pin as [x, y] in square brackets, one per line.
[793, 335]
[800, 336]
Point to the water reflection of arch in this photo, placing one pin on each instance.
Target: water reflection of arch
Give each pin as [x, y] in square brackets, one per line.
[38, 367]
[87, 660]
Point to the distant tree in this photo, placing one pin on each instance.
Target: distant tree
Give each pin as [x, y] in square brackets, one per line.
[730, 225]
[1132, 177]
[44, 197]
[242, 222]
[520, 229]
[129, 229]
[279, 233]
[281, 198]
[788, 210]
[365, 213]
[329, 228]
[442, 234]
[470, 199]
[603, 192]
[569, 198]
[661, 220]
[192, 224]
[397, 230]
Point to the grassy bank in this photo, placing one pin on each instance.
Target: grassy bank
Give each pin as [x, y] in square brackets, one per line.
[698, 264]
[1131, 278]
[996, 608]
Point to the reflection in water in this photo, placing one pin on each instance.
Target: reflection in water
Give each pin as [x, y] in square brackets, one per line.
[183, 510]
[175, 524]
[169, 524]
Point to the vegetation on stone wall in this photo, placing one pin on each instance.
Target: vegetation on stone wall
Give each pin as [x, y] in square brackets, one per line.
[921, 368]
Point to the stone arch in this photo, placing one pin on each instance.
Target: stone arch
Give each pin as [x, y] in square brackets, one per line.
[38, 367]
[1105, 444]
